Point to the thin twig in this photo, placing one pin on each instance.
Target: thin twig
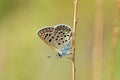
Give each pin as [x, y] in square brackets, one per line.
[73, 40]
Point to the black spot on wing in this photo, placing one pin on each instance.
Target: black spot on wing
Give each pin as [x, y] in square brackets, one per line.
[61, 32]
[64, 35]
[59, 43]
[43, 38]
[49, 34]
[50, 40]
[57, 36]
[52, 37]
[56, 39]
[61, 38]
[65, 40]
[46, 35]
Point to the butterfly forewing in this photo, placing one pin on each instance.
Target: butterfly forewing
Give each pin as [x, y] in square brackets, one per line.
[46, 34]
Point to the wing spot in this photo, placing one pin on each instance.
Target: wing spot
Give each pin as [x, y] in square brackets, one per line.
[56, 39]
[62, 41]
[61, 38]
[67, 35]
[46, 34]
[57, 36]
[64, 35]
[49, 34]
[65, 40]
[52, 37]
[50, 40]
[59, 32]
[58, 43]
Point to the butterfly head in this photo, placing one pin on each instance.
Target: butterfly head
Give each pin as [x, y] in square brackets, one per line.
[59, 55]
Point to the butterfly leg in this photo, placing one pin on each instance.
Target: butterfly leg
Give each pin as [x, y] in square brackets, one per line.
[69, 56]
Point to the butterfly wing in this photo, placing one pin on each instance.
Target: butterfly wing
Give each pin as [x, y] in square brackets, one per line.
[63, 35]
[56, 37]
[47, 35]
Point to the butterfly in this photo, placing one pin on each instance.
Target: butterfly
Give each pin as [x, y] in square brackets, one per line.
[58, 37]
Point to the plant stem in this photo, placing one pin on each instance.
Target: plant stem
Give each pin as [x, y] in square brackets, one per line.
[97, 55]
[73, 40]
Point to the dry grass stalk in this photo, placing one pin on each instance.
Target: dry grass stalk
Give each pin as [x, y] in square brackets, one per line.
[74, 38]
[97, 55]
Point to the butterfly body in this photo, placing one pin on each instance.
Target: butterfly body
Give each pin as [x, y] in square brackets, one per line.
[64, 51]
[58, 37]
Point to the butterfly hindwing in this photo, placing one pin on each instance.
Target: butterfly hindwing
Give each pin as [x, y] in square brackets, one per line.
[63, 35]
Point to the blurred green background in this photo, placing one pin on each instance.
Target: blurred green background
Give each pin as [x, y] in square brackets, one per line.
[23, 56]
